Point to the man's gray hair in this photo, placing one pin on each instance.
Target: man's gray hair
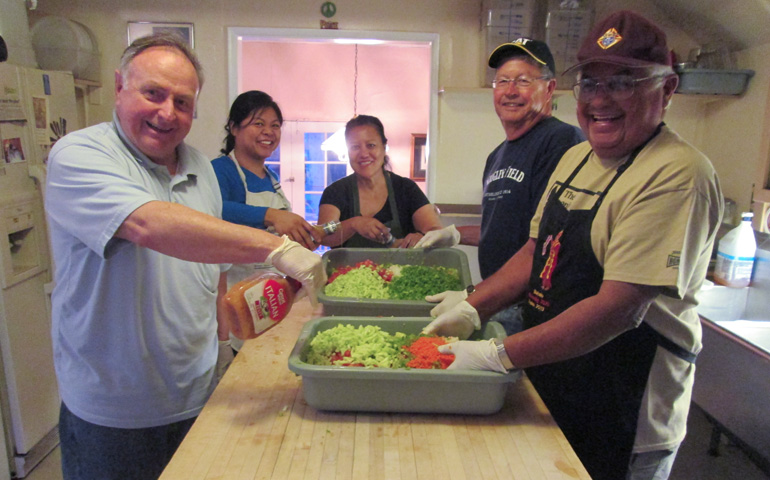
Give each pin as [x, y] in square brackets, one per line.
[170, 40]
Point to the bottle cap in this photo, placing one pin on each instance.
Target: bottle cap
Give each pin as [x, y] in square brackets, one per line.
[389, 240]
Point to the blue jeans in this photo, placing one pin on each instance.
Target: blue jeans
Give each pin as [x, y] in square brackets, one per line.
[510, 318]
[651, 465]
[92, 451]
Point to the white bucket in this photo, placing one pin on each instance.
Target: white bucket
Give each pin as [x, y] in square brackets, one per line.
[62, 44]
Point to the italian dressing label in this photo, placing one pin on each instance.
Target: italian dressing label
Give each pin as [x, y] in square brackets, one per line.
[268, 302]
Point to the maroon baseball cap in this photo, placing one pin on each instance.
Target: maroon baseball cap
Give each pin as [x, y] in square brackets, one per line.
[624, 38]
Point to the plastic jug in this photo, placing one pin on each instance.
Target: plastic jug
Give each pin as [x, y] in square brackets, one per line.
[735, 255]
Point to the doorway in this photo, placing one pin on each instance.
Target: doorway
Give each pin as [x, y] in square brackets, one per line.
[321, 79]
[305, 169]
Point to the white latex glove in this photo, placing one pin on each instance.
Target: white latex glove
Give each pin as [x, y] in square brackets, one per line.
[298, 262]
[458, 322]
[448, 300]
[224, 358]
[444, 237]
[474, 355]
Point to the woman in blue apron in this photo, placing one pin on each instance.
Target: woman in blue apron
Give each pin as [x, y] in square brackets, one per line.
[251, 192]
[377, 208]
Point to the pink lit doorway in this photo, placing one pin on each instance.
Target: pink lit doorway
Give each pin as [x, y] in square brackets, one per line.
[320, 79]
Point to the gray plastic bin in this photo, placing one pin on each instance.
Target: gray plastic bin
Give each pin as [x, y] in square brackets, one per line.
[362, 389]
[340, 257]
[713, 82]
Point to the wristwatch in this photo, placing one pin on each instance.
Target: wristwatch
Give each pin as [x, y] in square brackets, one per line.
[507, 363]
[470, 289]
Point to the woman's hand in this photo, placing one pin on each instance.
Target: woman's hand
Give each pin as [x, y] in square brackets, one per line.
[410, 240]
[372, 229]
[293, 226]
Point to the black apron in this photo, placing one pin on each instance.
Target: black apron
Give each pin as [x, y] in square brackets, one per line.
[595, 398]
[358, 241]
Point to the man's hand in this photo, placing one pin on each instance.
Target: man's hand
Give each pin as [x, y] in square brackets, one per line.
[409, 241]
[459, 322]
[474, 355]
[224, 358]
[301, 264]
[444, 237]
[448, 299]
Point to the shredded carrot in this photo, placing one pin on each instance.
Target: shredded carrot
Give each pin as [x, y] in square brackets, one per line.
[426, 354]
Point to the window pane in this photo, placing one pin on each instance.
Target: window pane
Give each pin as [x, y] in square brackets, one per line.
[335, 172]
[275, 156]
[311, 206]
[313, 152]
[275, 167]
[314, 177]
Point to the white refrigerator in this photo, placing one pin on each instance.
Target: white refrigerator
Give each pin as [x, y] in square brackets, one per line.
[36, 108]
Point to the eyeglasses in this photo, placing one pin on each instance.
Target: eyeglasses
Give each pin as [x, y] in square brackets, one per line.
[619, 87]
[520, 82]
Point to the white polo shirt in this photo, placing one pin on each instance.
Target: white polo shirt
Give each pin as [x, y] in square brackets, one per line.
[134, 331]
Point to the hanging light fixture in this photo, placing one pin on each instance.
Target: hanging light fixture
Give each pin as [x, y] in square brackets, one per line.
[336, 142]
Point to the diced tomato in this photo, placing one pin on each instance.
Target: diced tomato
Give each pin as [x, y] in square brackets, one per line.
[337, 272]
[367, 264]
[336, 356]
[445, 360]
[386, 274]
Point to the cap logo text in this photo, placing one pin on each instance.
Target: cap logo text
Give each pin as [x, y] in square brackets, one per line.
[610, 38]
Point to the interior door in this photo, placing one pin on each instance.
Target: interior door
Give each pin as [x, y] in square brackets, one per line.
[304, 168]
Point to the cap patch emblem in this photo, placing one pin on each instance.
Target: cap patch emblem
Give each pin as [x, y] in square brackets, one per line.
[610, 38]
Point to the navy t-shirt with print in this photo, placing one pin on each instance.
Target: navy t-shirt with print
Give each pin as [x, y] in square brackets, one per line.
[515, 176]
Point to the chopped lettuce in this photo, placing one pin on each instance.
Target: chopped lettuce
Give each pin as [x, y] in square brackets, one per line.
[400, 282]
[365, 345]
[359, 283]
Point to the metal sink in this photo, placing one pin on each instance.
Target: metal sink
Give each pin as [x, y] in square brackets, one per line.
[756, 332]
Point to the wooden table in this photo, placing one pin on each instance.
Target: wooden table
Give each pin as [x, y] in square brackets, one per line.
[257, 426]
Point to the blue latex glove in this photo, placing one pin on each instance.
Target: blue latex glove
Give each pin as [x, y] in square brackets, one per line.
[458, 322]
[474, 355]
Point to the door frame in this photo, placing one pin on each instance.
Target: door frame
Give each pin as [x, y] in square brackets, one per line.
[236, 34]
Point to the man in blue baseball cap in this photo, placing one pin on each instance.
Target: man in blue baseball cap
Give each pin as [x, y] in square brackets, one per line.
[517, 171]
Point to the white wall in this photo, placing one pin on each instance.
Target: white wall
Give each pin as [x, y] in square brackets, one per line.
[729, 131]
[735, 128]
[456, 21]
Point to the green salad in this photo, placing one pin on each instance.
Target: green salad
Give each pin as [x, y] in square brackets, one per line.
[391, 282]
[365, 346]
